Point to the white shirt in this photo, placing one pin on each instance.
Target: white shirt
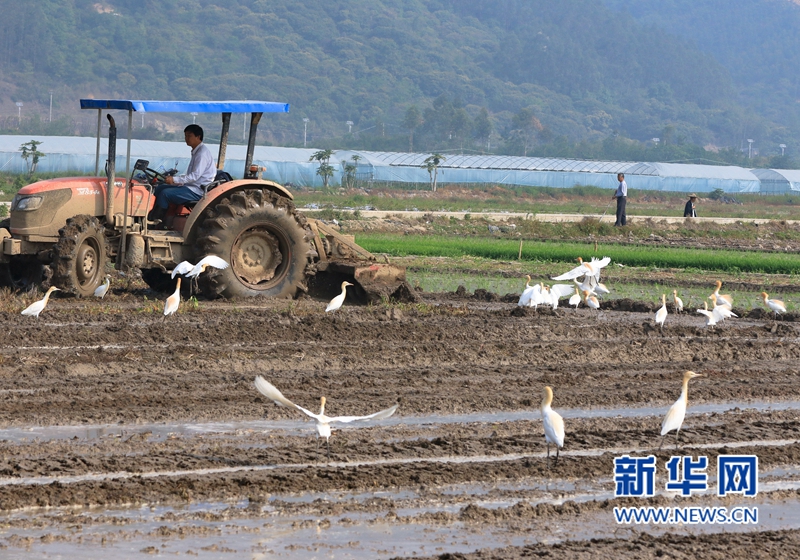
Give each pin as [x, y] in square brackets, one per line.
[201, 170]
[622, 190]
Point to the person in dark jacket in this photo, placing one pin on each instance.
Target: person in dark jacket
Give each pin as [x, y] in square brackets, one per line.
[689, 210]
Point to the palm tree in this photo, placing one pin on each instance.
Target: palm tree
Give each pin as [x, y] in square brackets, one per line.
[431, 165]
[325, 169]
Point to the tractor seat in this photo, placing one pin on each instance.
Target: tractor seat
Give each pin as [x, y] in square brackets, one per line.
[219, 178]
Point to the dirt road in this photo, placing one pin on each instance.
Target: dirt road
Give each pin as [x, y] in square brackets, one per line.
[122, 434]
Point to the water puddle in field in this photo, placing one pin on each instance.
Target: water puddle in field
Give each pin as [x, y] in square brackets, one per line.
[157, 432]
[398, 524]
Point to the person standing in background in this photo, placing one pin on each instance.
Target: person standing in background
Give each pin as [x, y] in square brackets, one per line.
[689, 211]
[621, 195]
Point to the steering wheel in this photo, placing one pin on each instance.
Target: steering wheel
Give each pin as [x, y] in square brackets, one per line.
[154, 176]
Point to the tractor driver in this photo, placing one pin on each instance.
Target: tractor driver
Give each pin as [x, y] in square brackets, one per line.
[181, 189]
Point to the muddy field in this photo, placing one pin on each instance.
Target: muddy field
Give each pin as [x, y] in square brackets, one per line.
[123, 435]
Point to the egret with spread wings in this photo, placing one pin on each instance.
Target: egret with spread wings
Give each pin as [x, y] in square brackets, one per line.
[323, 422]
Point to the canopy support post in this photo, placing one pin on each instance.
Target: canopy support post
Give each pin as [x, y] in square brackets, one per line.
[223, 140]
[126, 192]
[97, 151]
[251, 146]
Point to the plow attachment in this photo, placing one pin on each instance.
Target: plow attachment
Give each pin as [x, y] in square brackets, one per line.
[341, 259]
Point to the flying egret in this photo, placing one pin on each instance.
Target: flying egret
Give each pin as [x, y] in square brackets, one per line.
[591, 268]
[721, 310]
[337, 302]
[211, 260]
[183, 268]
[36, 307]
[553, 424]
[674, 418]
[678, 301]
[775, 304]
[173, 301]
[102, 289]
[661, 314]
[724, 299]
[525, 298]
[575, 299]
[323, 422]
[711, 319]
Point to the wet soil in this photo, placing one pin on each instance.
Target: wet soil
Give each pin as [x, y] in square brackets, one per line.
[132, 392]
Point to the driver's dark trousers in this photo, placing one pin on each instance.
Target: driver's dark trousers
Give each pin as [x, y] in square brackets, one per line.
[170, 194]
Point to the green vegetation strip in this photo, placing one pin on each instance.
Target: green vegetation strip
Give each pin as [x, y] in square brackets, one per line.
[508, 249]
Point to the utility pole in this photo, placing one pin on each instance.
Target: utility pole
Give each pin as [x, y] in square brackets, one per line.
[51, 107]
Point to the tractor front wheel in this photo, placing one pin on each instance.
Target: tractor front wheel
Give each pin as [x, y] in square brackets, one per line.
[79, 257]
[265, 241]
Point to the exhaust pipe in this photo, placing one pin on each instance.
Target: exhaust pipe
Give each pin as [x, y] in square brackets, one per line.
[111, 164]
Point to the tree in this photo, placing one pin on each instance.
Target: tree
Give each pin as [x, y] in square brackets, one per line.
[482, 127]
[523, 127]
[350, 171]
[431, 165]
[325, 169]
[411, 122]
[30, 151]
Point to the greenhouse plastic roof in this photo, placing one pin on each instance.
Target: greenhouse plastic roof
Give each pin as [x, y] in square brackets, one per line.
[186, 106]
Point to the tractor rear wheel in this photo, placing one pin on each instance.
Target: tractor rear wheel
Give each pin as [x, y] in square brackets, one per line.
[265, 241]
[79, 257]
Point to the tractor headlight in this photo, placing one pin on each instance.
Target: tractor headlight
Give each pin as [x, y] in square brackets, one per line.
[26, 203]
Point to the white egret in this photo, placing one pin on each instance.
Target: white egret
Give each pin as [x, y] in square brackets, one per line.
[711, 319]
[183, 268]
[721, 311]
[674, 418]
[323, 422]
[553, 424]
[678, 301]
[591, 268]
[173, 301]
[36, 307]
[575, 299]
[775, 304]
[724, 299]
[525, 298]
[558, 291]
[211, 260]
[337, 302]
[661, 314]
[537, 297]
[102, 289]
[591, 301]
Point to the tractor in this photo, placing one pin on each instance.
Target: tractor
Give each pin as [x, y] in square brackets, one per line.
[65, 231]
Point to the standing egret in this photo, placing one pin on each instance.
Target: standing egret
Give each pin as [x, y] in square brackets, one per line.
[173, 301]
[661, 314]
[674, 418]
[591, 302]
[337, 302]
[678, 301]
[525, 298]
[724, 299]
[575, 299]
[323, 423]
[102, 289]
[36, 307]
[775, 304]
[553, 424]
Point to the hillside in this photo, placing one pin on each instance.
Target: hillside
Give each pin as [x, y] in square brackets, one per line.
[461, 74]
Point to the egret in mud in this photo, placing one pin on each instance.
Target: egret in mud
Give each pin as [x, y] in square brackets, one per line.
[674, 418]
[661, 314]
[36, 307]
[677, 301]
[711, 319]
[553, 424]
[775, 304]
[323, 422]
[576, 298]
[525, 298]
[102, 289]
[591, 268]
[724, 299]
[173, 301]
[558, 291]
[591, 302]
[337, 302]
